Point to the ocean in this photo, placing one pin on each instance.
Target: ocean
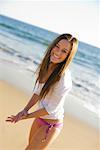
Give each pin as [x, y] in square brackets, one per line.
[23, 45]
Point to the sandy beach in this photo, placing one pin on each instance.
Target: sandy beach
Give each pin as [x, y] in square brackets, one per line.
[75, 134]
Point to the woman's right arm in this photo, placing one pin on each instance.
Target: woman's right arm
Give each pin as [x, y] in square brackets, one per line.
[34, 99]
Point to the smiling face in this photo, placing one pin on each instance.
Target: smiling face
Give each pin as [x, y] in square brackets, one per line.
[60, 51]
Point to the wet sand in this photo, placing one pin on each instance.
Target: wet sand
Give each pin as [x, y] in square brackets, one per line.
[75, 134]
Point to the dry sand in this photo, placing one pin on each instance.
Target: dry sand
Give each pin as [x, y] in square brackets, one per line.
[75, 134]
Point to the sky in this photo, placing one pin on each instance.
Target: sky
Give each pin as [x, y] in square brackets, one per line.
[77, 17]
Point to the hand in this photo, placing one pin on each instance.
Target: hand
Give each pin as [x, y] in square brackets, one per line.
[19, 116]
[11, 119]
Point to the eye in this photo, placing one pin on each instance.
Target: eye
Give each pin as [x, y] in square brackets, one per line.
[57, 46]
[64, 51]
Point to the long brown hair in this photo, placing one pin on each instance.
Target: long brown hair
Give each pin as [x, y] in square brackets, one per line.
[60, 68]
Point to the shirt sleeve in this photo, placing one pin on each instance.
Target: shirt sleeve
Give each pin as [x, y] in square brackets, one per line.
[56, 100]
[37, 89]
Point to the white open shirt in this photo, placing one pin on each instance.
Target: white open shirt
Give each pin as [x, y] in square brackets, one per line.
[54, 100]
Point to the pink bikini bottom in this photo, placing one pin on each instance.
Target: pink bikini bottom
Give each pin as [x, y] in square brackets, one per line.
[50, 125]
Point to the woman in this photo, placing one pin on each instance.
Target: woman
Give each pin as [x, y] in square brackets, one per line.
[52, 85]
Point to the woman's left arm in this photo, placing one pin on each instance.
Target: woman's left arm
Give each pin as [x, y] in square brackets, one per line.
[35, 114]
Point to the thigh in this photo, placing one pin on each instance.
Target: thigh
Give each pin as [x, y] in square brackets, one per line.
[38, 142]
[51, 137]
[34, 128]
